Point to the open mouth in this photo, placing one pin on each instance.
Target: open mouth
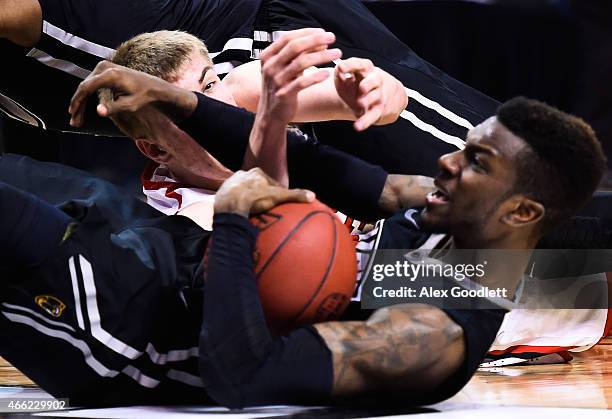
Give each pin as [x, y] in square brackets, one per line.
[437, 197]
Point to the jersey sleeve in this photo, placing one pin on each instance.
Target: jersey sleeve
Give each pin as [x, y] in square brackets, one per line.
[342, 181]
[480, 328]
[241, 362]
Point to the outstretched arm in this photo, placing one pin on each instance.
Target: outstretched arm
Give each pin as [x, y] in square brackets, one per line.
[282, 79]
[356, 91]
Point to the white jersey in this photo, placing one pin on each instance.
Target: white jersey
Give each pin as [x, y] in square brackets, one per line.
[166, 194]
[526, 336]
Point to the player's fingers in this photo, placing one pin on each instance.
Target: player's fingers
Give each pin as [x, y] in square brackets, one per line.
[370, 99]
[369, 118]
[277, 195]
[303, 82]
[371, 81]
[274, 65]
[303, 62]
[355, 65]
[258, 173]
[280, 43]
[297, 46]
[102, 110]
[87, 88]
[123, 104]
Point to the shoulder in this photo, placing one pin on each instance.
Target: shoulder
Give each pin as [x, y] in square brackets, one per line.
[244, 82]
[402, 231]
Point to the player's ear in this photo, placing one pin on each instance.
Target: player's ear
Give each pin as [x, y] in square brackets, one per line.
[152, 151]
[523, 211]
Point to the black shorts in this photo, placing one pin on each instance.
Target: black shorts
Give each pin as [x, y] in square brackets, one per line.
[111, 316]
[440, 109]
[77, 34]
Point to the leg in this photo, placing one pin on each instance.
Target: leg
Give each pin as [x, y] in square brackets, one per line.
[440, 109]
[30, 228]
[63, 312]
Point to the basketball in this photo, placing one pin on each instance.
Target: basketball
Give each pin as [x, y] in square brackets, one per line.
[305, 265]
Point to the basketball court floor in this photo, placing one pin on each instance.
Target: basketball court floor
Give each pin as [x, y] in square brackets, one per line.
[581, 389]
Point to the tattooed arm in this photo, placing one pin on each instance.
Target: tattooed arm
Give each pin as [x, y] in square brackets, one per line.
[408, 347]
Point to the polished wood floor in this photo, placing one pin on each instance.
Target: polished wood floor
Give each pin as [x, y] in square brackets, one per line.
[586, 382]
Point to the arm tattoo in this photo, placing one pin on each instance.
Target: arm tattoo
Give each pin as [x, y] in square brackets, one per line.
[404, 347]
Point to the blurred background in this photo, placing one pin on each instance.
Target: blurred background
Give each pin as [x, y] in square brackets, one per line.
[558, 51]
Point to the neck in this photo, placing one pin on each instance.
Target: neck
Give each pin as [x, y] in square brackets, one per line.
[505, 258]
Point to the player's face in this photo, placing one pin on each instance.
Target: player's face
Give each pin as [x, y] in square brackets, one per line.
[197, 74]
[474, 183]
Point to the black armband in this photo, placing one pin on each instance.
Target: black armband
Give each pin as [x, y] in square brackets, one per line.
[340, 180]
[222, 129]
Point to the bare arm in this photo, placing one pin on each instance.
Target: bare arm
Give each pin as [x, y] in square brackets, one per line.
[322, 102]
[282, 79]
[401, 348]
[20, 21]
[404, 191]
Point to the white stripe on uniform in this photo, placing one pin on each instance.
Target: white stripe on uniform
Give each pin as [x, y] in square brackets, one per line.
[76, 42]
[94, 315]
[75, 291]
[90, 360]
[456, 141]
[39, 316]
[65, 66]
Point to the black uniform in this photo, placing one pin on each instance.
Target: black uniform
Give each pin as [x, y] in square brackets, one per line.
[108, 308]
[78, 34]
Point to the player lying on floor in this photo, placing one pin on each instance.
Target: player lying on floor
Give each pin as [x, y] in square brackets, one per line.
[130, 283]
[182, 59]
[354, 90]
[518, 343]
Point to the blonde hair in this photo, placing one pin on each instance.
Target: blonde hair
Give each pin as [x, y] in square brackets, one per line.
[161, 54]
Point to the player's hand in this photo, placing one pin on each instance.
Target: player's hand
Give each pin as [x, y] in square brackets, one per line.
[253, 192]
[361, 85]
[133, 91]
[283, 66]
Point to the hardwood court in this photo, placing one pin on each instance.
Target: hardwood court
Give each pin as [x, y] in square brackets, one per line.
[586, 382]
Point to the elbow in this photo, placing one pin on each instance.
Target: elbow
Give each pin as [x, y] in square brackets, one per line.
[439, 354]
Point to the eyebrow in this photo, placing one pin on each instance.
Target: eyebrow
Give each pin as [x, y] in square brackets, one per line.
[204, 72]
[476, 148]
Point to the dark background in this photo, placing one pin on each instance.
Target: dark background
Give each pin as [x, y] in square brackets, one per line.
[559, 51]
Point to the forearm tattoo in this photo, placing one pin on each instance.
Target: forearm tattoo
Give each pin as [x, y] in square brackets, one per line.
[398, 348]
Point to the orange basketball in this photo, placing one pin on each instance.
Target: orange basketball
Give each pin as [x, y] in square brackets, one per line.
[305, 264]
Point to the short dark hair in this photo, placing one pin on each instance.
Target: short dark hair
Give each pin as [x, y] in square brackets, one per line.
[563, 163]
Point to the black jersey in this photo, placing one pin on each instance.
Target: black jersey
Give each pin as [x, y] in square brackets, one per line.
[110, 317]
[77, 34]
[37, 87]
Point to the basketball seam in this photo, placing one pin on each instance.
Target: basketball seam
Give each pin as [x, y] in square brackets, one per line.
[286, 239]
[324, 279]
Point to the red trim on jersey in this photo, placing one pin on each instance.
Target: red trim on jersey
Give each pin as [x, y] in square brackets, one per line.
[171, 187]
[608, 326]
[521, 349]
